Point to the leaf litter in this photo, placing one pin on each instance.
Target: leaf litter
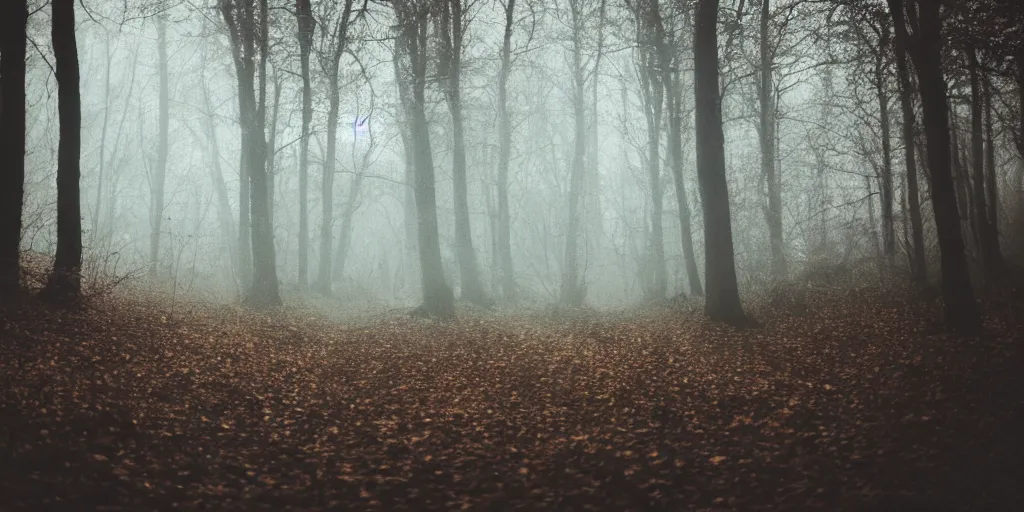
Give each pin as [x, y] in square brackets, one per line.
[852, 405]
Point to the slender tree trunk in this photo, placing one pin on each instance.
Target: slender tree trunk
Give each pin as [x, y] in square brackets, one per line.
[767, 139]
[987, 235]
[227, 224]
[65, 283]
[722, 300]
[103, 142]
[654, 99]
[886, 182]
[572, 290]
[305, 35]
[438, 300]
[13, 28]
[272, 145]
[872, 225]
[345, 235]
[452, 24]
[990, 163]
[323, 279]
[675, 147]
[918, 265]
[961, 310]
[159, 176]
[504, 231]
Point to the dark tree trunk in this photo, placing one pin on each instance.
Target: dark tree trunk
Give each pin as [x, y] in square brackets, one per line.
[651, 59]
[272, 145]
[504, 231]
[13, 25]
[918, 265]
[65, 283]
[886, 181]
[987, 236]
[990, 163]
[767, 139]
[722, 300]
[438, 300]
[246, 23]
[159, 176]
[961, 310]
[305, 36]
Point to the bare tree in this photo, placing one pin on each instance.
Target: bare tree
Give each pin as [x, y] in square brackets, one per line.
[304, 16]
[453, 20]
[413, 17]
[919, 269]
[992, 260]
[64, 286]
[504, 224]
[722, 300]
[335, 45]
[924, 45]
[158, 177]
[13, 25]
[246, 21]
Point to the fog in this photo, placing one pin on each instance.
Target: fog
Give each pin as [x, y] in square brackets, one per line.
[839, 190]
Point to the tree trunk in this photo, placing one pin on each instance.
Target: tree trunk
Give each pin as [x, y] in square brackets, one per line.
[961, 310]
[345, 235]
[990, 163]
[305, 36]
[65, 283]
[438, 300]
[452, 26]
[272, 145]
[227, 225]
[247, 45]
[767, 139]
[13, 24]
[572, 291]
[722, 300]
[675, 148]
[886, 181]
[504, 231]
[919, 267]
[103, 142]
[323, 279]
[159, 176]
[987, 235]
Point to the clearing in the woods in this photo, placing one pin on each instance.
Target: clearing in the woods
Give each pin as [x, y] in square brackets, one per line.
[841, 400]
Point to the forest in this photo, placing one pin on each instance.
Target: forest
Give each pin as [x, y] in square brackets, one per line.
[511, 254]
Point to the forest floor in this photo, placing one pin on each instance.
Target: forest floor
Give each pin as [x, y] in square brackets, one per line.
[841, 400]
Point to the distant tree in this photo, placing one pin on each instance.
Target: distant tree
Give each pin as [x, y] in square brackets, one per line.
[13, 27]
[988, 236]
[336, 41]
[722, 300]
[158, 177]
[64, 286]
[924, 44]
[504, 224]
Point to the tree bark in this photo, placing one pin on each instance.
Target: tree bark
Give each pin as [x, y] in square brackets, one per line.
[722, 300]
[767, 140]
[64, 286]
[247, 25]
[345, 235]
[13, 25]
[453, 24]
[919, 268]
[675, 147]
[305, 36]
[961, 310]
[987, 235]
[438, 300]
[504, 231]
[886, 181]
[572, 291]
[159, 176]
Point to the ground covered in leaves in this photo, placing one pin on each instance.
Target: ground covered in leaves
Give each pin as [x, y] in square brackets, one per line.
[841, 400]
